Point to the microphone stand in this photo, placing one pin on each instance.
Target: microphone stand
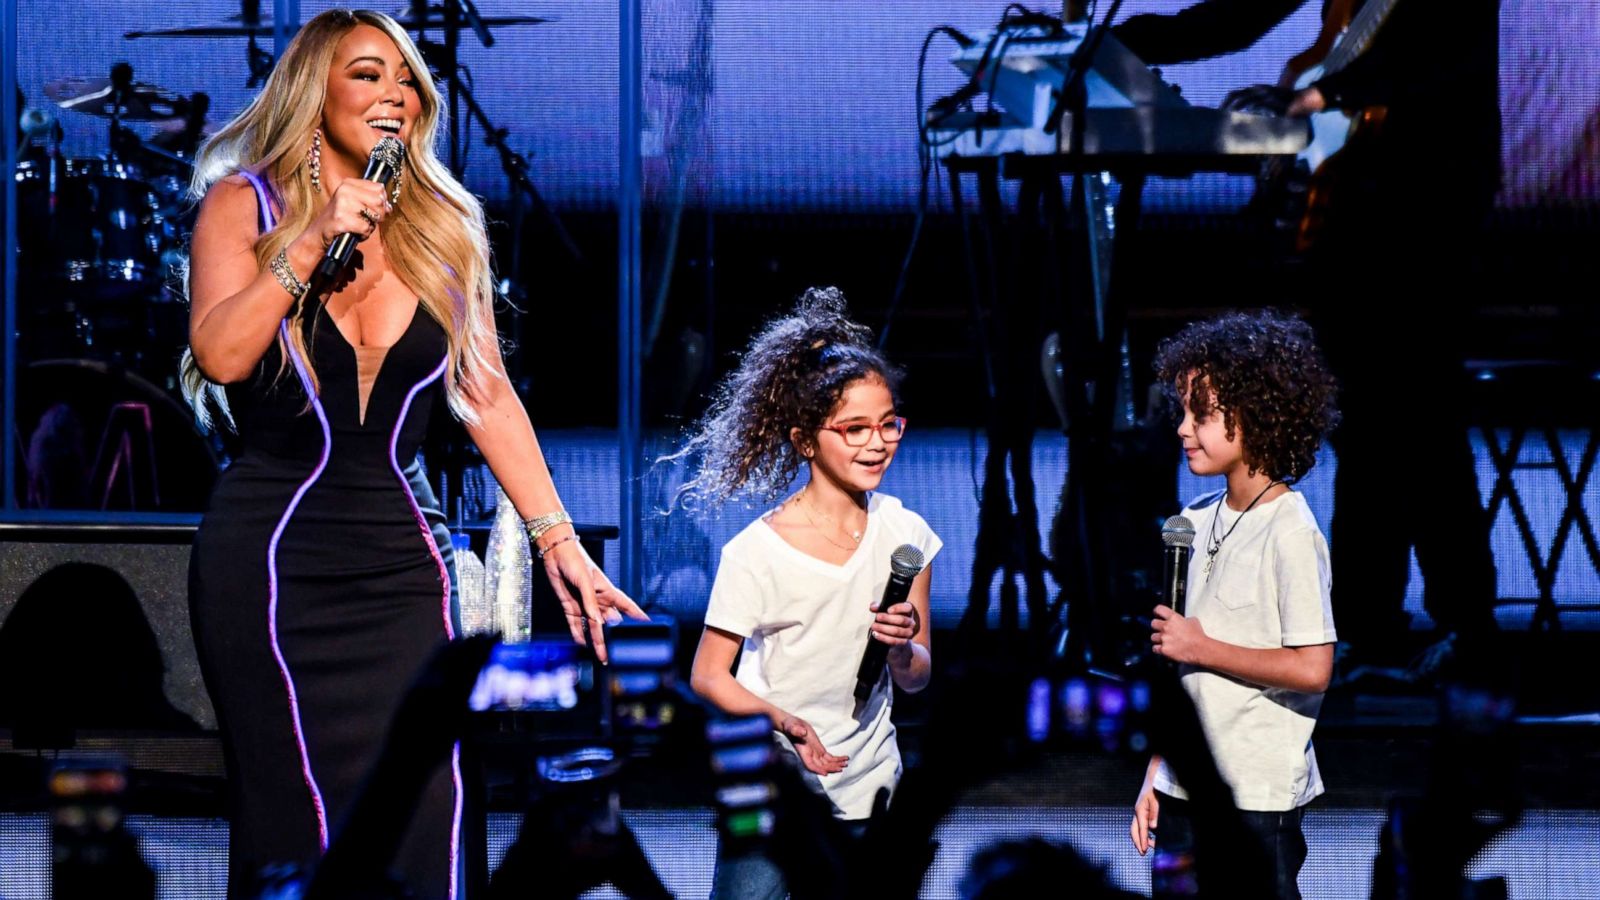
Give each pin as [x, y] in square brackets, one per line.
[1086, 616]
[444, 57]
[452, 44]
[258, 61]
[1074, 95]
[512, 163]
[121, 85]
[455, 11]
[474, 21]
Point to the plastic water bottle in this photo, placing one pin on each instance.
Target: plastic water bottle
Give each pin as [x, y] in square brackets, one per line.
[508, 572]
[470, 575]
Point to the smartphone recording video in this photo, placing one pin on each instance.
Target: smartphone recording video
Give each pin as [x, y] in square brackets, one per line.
[540, 675]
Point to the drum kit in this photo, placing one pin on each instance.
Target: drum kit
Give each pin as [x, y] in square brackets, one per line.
[102, 236]
[103, 239]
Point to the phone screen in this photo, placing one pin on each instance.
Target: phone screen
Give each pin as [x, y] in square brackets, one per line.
[534, 676]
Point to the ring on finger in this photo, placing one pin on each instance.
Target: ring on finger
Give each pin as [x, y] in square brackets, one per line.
[367, 214]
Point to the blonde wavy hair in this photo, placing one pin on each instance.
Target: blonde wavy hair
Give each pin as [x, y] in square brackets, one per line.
[435, 239]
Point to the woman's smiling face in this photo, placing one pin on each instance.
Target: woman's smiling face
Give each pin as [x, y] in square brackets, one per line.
[372, 94]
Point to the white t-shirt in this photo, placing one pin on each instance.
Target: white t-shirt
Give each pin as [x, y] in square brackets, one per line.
[1269, 588]
[805, 623]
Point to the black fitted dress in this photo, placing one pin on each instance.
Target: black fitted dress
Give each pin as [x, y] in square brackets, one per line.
[319, 583]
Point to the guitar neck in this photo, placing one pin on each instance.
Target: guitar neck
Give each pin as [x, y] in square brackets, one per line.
[1363, 28]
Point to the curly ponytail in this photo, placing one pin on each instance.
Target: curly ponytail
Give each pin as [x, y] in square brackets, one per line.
[792, 376]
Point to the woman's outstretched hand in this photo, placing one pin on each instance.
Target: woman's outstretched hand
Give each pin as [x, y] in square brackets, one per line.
[587, 595]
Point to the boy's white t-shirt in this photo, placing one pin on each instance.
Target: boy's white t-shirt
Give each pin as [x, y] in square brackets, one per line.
[805, 623]
[1269, 588]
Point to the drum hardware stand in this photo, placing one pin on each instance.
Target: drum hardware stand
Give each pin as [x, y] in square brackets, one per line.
[445, 58]
[116, 458]
[259, 61]
[121, 81]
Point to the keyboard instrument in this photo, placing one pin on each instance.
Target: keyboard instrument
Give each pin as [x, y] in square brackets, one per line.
[1131, 112]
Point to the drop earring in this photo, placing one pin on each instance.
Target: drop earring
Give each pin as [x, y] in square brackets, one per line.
[314, 155]
[394, 194]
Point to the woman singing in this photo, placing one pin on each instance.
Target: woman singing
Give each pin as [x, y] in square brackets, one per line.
[318, 584]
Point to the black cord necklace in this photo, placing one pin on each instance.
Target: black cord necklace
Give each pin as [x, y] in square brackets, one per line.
[1214, 543]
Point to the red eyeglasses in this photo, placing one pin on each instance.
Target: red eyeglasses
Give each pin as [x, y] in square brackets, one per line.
[859, 434]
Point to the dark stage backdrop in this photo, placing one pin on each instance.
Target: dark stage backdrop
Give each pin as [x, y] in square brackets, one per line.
[810, 105]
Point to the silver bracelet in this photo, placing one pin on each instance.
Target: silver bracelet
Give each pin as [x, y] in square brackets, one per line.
[285, 274]
[558, 542]
[538, 525]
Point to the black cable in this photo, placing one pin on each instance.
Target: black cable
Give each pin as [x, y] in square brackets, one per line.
[948, 104]
[995, 53]
[974, 85]
[925, 165]
[1014, 13]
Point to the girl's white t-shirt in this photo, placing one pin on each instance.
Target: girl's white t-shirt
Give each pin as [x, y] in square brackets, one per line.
[805, 623]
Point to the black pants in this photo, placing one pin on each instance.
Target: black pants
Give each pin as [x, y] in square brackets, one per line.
[1279, 834]
[752, 875]
[1407, 478]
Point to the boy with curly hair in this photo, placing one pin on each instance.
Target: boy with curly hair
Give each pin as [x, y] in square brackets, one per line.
[1255, 650]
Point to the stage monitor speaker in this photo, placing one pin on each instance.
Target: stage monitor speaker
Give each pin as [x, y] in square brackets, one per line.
[85, 612]
[86, 609]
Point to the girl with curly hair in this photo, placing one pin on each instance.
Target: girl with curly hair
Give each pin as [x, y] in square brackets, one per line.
[1255, 647]
[796, 590]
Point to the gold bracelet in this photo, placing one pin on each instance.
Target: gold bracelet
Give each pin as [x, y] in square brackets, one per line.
[285, 274]
[538, 525]
[558, 542]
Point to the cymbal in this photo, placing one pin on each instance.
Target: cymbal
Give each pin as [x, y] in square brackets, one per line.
[93, 95]
[264, 29]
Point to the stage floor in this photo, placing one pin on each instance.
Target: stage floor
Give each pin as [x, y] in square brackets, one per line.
[1078, 797]
[1550, 854]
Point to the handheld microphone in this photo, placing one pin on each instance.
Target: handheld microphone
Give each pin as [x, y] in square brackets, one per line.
[1178, 537]
[382, 165]
[904, 565]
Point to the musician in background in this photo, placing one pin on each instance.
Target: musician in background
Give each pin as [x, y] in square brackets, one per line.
[1407, 204]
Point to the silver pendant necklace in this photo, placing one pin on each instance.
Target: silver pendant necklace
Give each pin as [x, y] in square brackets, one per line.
[1214, 543]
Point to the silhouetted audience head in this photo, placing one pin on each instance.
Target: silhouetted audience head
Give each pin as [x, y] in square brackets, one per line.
[1030, 867]
[77, 652]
